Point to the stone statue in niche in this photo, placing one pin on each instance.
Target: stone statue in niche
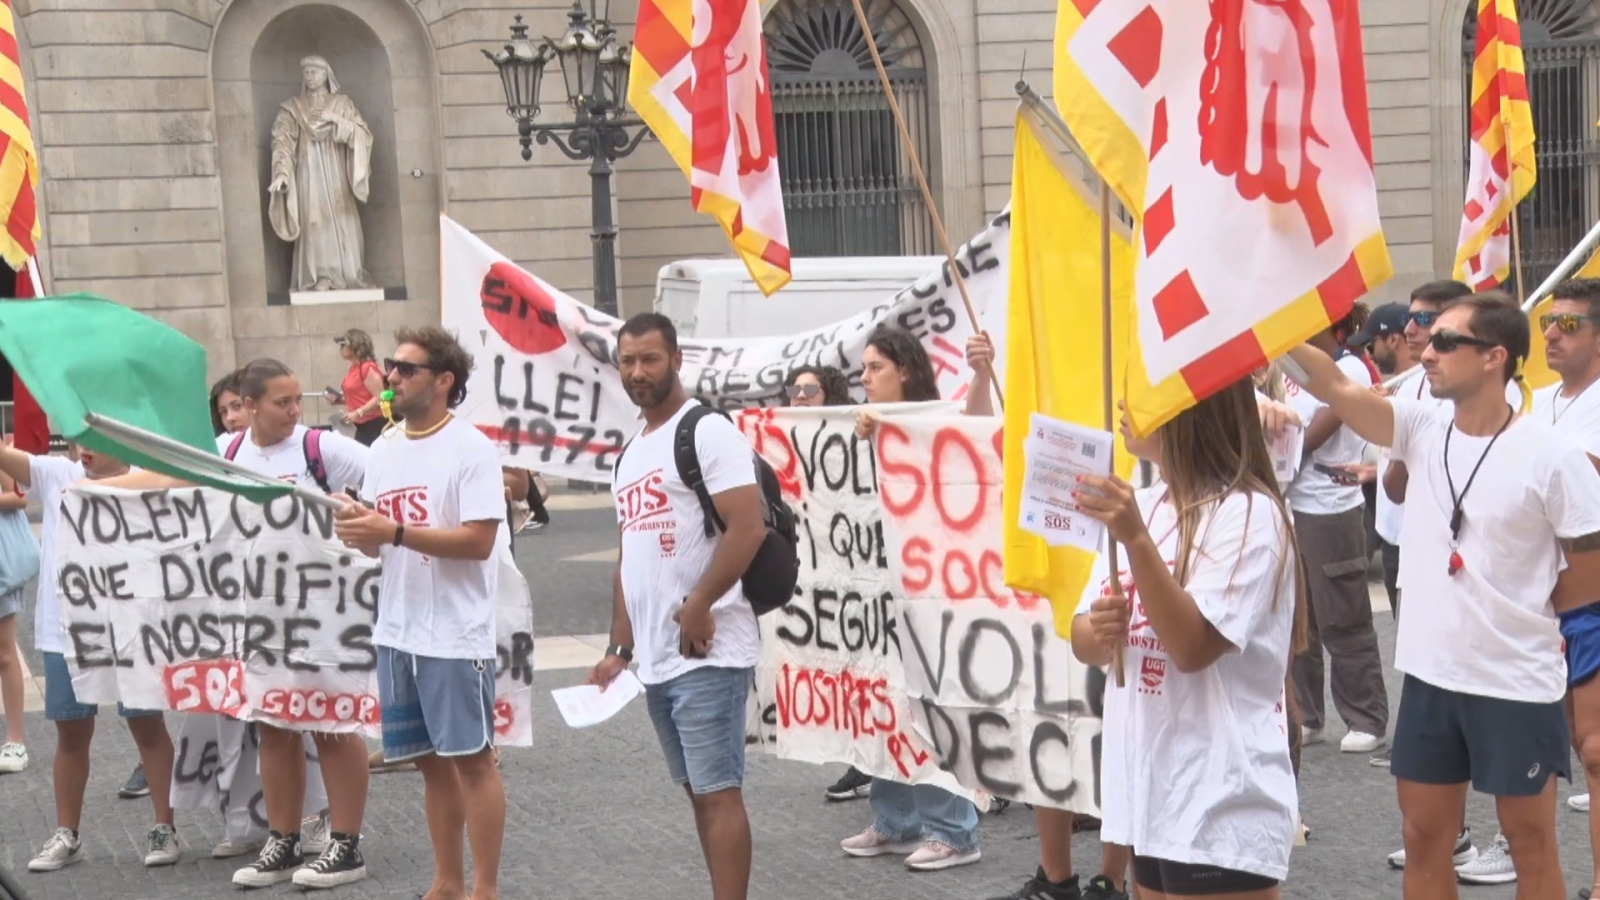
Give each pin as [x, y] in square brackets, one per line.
[321, 168]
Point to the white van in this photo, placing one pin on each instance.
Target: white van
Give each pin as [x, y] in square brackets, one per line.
[716, 298]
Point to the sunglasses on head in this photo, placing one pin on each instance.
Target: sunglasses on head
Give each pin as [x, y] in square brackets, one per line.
[1449, 342]
[406, 369]
[1566, 323]
[796, 391]
[1423, 318]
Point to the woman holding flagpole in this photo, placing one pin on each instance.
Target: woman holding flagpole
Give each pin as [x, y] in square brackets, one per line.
[1196, 769]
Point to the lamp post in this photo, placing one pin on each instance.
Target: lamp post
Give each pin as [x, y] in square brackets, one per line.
[594, 70]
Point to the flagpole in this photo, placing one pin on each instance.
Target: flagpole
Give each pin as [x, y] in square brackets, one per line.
[1105, 393]
[927, 195]
[200, 458]
[1516, 257]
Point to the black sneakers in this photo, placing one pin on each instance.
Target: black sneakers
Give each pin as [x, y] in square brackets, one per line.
[1101, 888]
[1041, 888]
[280, 856]
[852, 786]
[340, 863]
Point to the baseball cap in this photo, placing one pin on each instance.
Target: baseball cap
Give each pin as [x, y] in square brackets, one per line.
[1384, 321]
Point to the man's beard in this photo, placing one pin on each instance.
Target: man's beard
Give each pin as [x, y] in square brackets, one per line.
[412, 405]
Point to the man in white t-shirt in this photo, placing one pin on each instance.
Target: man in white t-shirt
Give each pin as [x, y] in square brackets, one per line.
[678, 606]
[1330, 519]
[1483, 577]
[437, 522]
[1572, 349]
[48, 477]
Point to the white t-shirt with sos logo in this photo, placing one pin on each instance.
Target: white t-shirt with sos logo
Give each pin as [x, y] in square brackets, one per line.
[434, 607]
[1195, 767]
[665, 550]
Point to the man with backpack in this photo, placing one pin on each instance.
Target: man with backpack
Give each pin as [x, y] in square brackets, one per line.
[679, 608]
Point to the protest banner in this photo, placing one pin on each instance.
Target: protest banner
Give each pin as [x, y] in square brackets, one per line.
[547, 391]
[830, 687]
[196, 600]
[995, 693]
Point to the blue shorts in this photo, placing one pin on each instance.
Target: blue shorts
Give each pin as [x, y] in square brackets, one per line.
[1580, 629]
[699, 717]
[1505, 748]
[61, 704]
[439, 706]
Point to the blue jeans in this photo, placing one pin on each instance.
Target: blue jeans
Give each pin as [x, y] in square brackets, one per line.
[699, 718]
[922, 812]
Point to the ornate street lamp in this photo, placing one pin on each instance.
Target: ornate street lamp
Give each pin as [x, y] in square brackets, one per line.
[594, 72]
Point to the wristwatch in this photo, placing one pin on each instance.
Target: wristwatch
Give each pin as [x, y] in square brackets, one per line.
[625, 653]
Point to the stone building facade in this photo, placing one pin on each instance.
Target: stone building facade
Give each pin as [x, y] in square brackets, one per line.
[153, 119]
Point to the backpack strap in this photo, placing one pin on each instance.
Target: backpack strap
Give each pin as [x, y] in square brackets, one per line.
[688, 462]
[311, 443]
[233, 447]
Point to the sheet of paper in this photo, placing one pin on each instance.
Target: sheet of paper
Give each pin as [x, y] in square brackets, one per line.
[1285, 453]
[586, 705]
[1054, 454]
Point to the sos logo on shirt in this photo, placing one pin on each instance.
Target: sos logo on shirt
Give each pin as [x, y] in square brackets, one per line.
[407, 506]
[644, 506]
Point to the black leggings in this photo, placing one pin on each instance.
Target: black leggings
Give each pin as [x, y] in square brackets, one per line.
[1187, 880]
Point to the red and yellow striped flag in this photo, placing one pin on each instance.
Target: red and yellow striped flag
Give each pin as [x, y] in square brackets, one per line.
[1236, 131]
[19, 167]
[1501, 169]
[699, 80]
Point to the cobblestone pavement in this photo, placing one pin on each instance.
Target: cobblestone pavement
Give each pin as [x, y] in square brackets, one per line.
[591, 813]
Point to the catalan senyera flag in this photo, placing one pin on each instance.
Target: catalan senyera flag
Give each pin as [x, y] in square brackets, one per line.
[699, 80]
[1237, 132]
[1054, 360]
[1501, 169]
[19, 166]
[1537, 371]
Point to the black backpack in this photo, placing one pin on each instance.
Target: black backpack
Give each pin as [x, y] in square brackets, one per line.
[769, 582]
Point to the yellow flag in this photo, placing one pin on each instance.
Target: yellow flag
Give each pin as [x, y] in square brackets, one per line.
[1053, 340]
[1537, 371]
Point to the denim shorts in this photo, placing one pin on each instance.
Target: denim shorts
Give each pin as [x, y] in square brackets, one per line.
[439, 706]
[61, 704]
[699, 717]
[11, 604]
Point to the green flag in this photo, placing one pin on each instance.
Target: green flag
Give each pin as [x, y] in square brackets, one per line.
[121, 383]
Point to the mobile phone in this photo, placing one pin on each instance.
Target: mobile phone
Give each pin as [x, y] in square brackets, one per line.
[1339, 475]
[355, 495]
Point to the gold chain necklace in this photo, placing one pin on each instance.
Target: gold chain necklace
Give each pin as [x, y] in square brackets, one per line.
[422, 434]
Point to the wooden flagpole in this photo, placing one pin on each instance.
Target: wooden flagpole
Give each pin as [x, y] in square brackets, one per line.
[927, 195]
[1516, 259]
[1106, 390]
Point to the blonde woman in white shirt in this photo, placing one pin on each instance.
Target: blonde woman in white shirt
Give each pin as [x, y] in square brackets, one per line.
[1196, 768]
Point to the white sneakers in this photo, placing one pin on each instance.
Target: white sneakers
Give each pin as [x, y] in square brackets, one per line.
[1360, 742]
[62, 850]
[13, 758]
[1578, 803]
[871, 843]
[1309, 736]
[1493, 865]
[923, 856]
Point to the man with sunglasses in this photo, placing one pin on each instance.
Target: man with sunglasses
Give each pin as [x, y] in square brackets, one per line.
[1572, 350]
[1505, 499]
[436, 523]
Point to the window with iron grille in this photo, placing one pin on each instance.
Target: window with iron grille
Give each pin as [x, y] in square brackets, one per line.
[1561, 56]
[848, 188]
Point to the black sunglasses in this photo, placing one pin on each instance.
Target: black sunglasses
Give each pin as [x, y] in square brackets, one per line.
[406, 369]
[1449, 342]
[1566, 323]
[796, 391]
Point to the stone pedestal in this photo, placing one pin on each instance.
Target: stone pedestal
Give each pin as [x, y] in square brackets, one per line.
[326, 298]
